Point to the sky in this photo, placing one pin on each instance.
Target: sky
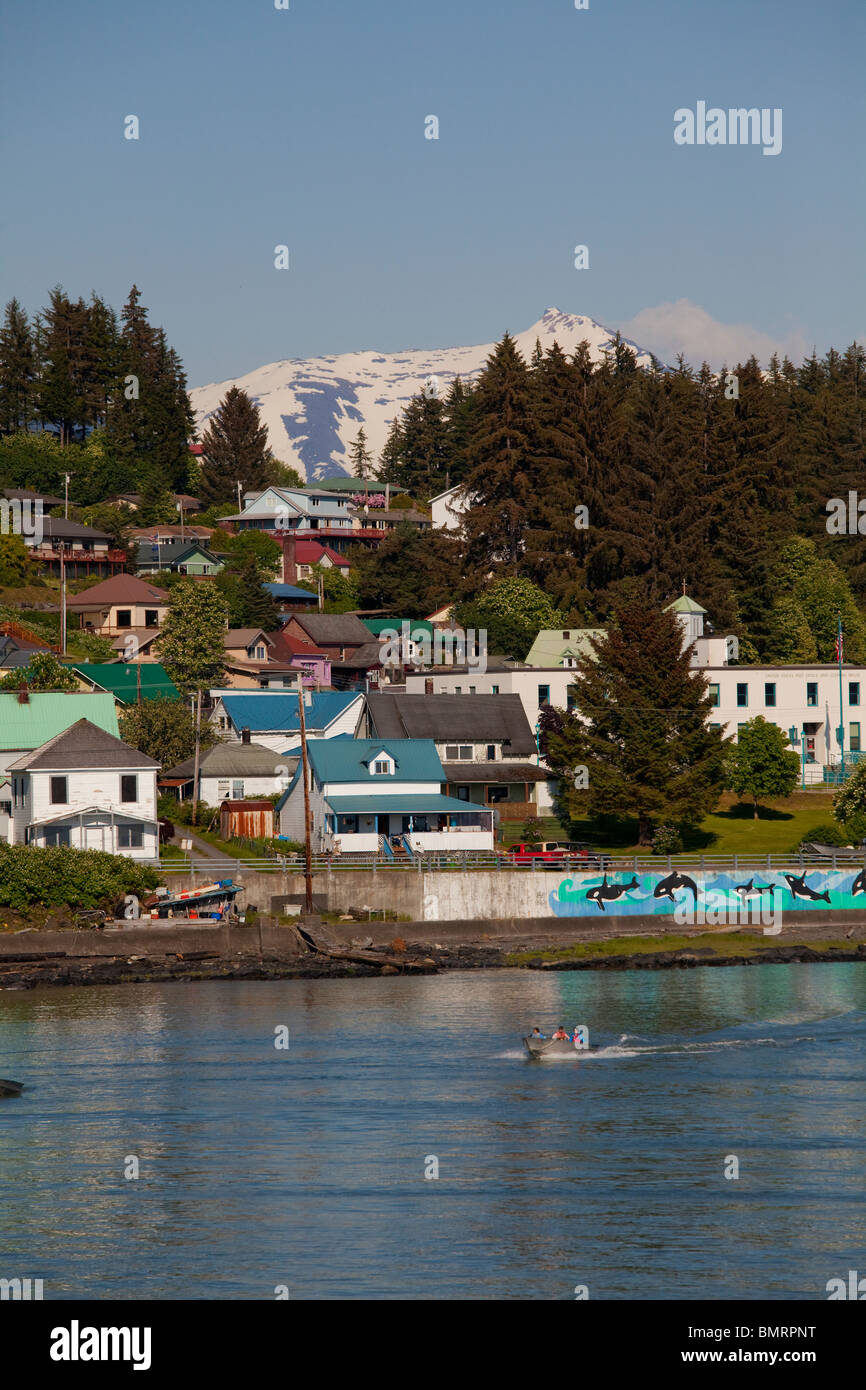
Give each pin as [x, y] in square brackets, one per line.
[305, 127]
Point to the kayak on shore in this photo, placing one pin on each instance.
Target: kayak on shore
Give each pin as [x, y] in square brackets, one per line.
[10, 1088]
[539, 1046]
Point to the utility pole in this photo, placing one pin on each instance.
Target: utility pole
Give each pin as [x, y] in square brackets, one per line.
[240, 503]
[308, 824]
[197, 755]
[180, 509]
[66, 477]
[62, 598]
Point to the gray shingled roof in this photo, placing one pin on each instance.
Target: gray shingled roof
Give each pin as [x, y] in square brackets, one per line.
[494, 772]
[473, 718]
[233, 760]
[334, 628]
[83, 745]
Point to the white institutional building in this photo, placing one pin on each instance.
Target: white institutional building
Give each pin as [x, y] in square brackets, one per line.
[804, 701]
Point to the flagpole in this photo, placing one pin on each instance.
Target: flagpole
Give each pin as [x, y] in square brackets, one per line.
[841, 709]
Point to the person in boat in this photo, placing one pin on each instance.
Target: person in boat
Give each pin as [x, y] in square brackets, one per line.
[560, 1035]
[537, 1033]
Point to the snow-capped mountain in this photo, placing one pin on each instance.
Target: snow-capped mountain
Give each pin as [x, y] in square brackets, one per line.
[314, 407]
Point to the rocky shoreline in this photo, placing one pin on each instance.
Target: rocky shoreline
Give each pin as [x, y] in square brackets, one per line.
[69, 970]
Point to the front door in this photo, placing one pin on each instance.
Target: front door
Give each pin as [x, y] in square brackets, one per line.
[93, 837]
[382, 824]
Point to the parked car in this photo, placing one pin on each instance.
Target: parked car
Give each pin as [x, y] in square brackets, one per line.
[555, 854]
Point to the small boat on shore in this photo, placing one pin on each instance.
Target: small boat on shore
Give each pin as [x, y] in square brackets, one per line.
[10, 1088]
[559, 1047]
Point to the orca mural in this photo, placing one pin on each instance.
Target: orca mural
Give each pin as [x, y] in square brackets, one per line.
[648, 895]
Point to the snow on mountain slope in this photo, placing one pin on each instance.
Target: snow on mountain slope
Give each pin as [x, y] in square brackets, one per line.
[314, 407]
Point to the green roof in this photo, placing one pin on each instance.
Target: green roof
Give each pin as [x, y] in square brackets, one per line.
[47, 714]
[684, 604]
[415, 805]
[553, 645]
[379, 625]
[121, 679]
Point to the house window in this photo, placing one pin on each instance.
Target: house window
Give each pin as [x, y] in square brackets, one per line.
[811, 692]
[714, 695]
[129, 787]
[462, 793]
[742, 695]
[222, 791]
[853, 692]
[854, 738]
[260, 653]
[770, 694]
[57, 835]
[124, 617]
[129, 837]
[466, 752]
[497, 793]
[569, 661]
[544, 694]
[472, 690]
[458, 690]
[238, 790]
[491, 752]
[151, 617]
[347, 825]
[495, 690]
[382, 768]
[59, 795]
[451, 752]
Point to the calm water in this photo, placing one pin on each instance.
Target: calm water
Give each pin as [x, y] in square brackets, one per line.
[305, 1167]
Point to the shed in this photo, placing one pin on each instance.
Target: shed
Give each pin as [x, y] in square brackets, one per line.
[247, 820]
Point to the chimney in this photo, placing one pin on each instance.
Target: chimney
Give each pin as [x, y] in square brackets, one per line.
[290, 565]
[245, 735]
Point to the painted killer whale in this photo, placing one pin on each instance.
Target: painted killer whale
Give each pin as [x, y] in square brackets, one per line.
[859, 884]
[755, 890]
[608, 892]
[800, 889]
[668, 886]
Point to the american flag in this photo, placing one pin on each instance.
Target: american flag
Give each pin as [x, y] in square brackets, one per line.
[839, 644]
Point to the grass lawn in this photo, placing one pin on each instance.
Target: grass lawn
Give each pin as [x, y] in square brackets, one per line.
[731, 829]
[720, 943]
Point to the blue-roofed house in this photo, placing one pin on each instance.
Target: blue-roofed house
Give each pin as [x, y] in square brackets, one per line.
[274, 720]
[373, 796]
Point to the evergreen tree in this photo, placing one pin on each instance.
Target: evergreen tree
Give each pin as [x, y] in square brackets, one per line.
[163, 729]
[250, 603]
[639, 728]
[17, 369]
[360, 458]
[60, 336]
[499, 472]
[235, 445]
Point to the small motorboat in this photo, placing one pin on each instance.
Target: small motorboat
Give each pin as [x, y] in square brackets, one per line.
[559, 1047]
[10, 1088]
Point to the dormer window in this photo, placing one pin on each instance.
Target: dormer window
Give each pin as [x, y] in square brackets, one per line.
[382, 765]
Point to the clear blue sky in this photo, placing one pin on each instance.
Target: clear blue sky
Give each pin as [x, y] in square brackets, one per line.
[306, 127]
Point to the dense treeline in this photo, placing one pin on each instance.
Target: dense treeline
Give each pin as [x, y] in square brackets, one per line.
[685, 477]
[110, 395]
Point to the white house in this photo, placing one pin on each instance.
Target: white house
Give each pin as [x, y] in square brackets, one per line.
[447, 509]
[273, 719]
[232, 772]
[378, 795]
[85, 789]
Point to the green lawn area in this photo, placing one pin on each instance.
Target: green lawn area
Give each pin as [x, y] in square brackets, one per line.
[731, 829]
[720, 943]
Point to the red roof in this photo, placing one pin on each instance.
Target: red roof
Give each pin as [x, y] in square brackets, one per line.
[308, 552]
[287, 646]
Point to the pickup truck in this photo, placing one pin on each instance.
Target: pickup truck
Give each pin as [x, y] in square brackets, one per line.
[555, 854]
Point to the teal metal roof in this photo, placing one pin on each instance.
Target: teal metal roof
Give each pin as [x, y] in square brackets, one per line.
[379, 625]
[348, 760]
[47, 714]
[400, 805]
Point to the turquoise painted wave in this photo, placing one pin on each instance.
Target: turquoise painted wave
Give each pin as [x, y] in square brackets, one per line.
[659, 894]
